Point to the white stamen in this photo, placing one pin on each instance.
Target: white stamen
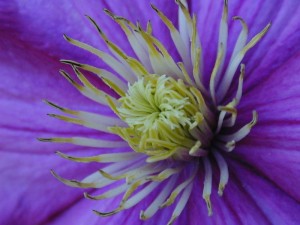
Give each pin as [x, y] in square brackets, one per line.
[177, 39]
[184, 24]
[92, 181]
[212, 82]
[108, 59]
[143, 173]
[108, 194]
[155, 205]
[196, 56]
[159, 54]
[104, 158]
[89, 118]
[229, 74]
[224, 176]
[88, 142]
[220, 121]
[181, 203]
[140, 195]
[242, 39]
[227, 147]
[86, 123]
[165, 174]
[182, 186]
[101, 73]
[240, 134]
[223, 36]
[89, 91]
[207, 184]
[239, 91]
[125, 171]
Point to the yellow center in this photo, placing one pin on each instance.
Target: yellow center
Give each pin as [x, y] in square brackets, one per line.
[164, 116]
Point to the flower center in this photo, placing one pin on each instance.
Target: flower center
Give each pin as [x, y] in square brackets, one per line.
[165, 118]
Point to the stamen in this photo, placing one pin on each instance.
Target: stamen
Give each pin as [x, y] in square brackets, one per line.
[89, 124]
[185, 21]
[207, 184]
[106, 214]
[134, 41]
[181, 203]
[90, 118]
[177, 39]
[196, 56]
[130, 173]
[242, 39]
[139, 196]
[223, 171]
[165, 174]
[145, 173]
[212, 83]
[155, 205]
[109, 60]
[159, 54]
[227, 79]
[240, 134]
[181, 187]
[104, 158]
[88, 142]
[101, 73]
[223, 37]
[227, 146]
[108, 194]
[133, 64]
[89, 91]
[82, 184]
[229, 108]
[185, 74]
[240, 85]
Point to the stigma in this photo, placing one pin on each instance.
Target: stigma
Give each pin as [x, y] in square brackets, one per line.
[167, 123]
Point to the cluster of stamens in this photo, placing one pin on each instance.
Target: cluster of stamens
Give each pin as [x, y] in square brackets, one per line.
[166, 119]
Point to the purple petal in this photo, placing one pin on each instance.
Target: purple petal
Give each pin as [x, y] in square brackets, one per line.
[276, 205]
[273, 145]
[42, 24]
[234, 207]
[281, 42]
[28, 79]
[29, 193]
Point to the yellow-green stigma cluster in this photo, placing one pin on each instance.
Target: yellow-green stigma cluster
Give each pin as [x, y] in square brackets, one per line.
[166, 119]
[166, 124]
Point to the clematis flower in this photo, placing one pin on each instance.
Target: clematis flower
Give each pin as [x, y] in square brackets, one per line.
[172, 113]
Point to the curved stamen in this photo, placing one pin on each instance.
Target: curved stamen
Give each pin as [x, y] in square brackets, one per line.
[207, 184]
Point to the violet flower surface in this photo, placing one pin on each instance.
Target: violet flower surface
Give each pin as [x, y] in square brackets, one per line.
[263, 168]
